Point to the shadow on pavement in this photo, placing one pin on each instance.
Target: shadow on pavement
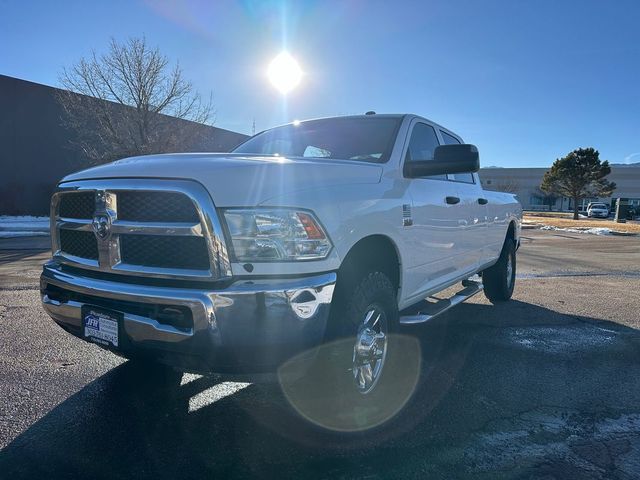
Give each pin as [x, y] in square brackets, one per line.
[486, 372]
[14, 256]
[41, 243]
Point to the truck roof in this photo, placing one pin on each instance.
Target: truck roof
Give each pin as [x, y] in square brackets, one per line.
[375, 115]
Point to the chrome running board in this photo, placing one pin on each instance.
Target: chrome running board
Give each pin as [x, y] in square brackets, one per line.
[431, 307]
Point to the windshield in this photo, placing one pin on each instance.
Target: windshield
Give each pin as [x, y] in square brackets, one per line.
[363, 139]
[599, 206]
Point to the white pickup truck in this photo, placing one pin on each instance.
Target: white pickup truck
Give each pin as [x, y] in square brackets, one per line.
[233, 263]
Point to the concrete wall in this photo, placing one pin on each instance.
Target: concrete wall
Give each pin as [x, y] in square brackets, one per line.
[36, 150]
[524, 181]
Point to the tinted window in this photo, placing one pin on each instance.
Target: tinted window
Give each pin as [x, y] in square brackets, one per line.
[364, 139]
[458, 177]
[449, 139]
[422, 144]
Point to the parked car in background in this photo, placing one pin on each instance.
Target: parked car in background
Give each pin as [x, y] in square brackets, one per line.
[597, 210]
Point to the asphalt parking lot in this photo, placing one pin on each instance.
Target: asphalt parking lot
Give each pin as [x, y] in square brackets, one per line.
[545, 386]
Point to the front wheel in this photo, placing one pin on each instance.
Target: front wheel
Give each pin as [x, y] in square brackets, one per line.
[365, 326]
[499, 280]
[366, 372]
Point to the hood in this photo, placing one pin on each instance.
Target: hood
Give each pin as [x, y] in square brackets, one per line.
[239, 180]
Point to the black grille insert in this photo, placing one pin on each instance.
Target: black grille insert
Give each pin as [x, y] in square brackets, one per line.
[143, 206]
[174, 315]
[77, 205]
[78, 243]
[164, 252]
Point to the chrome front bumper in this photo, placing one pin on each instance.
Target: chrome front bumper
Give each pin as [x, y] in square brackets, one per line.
[249, 326]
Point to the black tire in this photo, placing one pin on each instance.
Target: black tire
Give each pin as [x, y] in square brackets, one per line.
[371, 292]
[332, 395]
[499, 280]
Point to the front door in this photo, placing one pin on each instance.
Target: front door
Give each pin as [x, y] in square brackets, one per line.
[474, 211]
[441, 215]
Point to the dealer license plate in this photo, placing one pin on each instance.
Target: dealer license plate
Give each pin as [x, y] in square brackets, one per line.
[101, 326]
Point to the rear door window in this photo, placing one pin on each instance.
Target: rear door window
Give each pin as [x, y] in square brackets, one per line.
[456, 177]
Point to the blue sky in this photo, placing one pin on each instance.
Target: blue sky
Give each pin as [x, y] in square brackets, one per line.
[526, 81]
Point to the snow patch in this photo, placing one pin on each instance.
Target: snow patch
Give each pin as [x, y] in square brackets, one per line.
[562, 339]
[548, 435]
[23, 226]
[11, 234]
[22, 218]
[592, 230]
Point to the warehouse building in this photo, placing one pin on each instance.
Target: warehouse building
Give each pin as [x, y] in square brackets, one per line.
[525, 183]
[37, 150]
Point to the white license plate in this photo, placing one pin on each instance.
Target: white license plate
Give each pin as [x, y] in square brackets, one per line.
[100, 326]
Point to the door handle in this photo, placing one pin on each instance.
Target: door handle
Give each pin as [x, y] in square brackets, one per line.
[452, 200]
[483, 201]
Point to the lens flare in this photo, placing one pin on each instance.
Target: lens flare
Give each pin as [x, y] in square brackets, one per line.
[320, 387]
[284, 73]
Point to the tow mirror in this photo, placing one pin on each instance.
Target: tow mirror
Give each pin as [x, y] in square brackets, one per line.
[446, 159]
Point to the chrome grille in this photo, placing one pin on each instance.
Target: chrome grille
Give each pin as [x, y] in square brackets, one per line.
[139, 227]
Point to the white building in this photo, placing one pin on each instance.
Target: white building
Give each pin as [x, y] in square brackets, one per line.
[525, 183]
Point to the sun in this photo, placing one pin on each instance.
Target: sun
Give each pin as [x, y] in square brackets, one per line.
[284, 73]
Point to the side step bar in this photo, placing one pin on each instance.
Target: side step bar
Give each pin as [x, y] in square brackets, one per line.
[431, 307]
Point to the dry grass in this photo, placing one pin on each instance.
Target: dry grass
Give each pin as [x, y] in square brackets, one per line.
[564, 222]
[535, 213]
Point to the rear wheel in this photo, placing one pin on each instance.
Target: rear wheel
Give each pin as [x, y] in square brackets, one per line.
[499, 280]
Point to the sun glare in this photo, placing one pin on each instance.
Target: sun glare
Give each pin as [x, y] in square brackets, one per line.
[284, 72]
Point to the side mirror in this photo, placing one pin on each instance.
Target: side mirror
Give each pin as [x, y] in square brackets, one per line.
[446, 159]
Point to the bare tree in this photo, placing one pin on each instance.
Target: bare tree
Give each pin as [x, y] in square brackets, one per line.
[121, 103]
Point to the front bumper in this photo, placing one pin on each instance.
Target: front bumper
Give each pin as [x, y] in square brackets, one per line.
[250, 326]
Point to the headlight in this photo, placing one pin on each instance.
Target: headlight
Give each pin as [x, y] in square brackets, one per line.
[264, 235]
